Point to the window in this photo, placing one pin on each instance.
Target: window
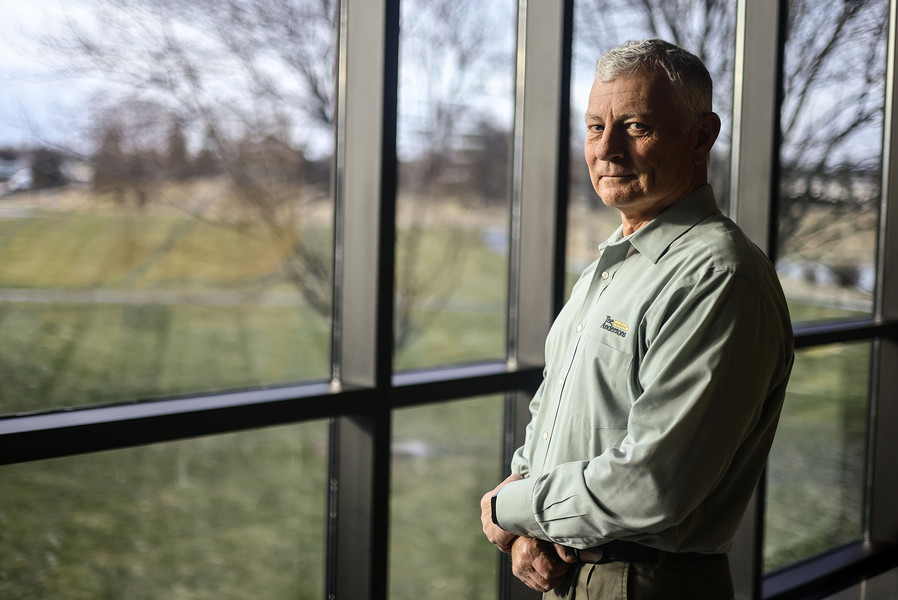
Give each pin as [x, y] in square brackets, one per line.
[830, 158]
[167, 220]
[831, 119]
[445, 457]
[816, 475]
[230, 209]
[229, 516]
[454, 140]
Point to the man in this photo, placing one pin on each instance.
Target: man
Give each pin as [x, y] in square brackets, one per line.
[665, 371]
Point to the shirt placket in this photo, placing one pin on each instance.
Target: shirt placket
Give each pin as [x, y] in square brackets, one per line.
[609, 262]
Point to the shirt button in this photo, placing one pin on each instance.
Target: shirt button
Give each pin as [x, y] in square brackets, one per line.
[561, 381]
[546, 435]
[605, 275]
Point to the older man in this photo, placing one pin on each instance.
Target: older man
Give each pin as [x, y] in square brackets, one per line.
[665, 371]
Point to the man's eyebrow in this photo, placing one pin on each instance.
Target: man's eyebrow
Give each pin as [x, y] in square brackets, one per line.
[635, 114]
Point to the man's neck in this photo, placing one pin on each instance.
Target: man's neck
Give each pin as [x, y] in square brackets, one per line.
[634, 220]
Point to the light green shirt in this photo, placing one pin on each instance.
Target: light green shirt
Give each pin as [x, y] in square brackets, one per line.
[665, 375]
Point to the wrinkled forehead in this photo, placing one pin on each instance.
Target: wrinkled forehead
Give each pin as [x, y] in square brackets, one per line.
[641, 92]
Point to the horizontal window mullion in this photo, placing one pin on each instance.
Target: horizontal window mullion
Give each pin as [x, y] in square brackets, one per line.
[460, 382]
[830, 572]
[90, 429]
[807, 336]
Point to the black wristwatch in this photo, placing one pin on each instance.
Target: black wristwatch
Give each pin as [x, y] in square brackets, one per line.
[493, 509]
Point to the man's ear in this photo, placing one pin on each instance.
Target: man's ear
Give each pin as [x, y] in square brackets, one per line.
[707, 131]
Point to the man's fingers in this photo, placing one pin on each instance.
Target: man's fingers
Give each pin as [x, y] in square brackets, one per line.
[499, 538]
[549, 568]
[534, 563]
[536, 582]
[531, 578]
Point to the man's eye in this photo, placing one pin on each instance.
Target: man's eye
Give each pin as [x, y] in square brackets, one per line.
[595, 128]
[637, 126]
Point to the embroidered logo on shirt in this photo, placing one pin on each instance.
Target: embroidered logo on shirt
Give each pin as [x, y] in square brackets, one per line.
[615, 327]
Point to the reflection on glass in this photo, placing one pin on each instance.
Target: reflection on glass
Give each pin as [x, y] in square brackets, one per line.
[707, 29]
[231, 516]
[445, 457]
[831, 120]
[164, 197]
[456, 108]
[815, 476]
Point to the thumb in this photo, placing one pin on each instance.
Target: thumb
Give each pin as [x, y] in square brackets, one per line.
[566, 554]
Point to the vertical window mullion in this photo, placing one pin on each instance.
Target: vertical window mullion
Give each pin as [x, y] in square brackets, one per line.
[755, 118]
[363, 334]
[541, 57]
[882, 521]
[753, 166]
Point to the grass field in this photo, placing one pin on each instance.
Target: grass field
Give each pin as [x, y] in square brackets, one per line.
[816, 470]
[111, 306]
[224, 517]
[114, 306]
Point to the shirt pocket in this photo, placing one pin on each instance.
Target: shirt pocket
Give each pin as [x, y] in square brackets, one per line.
[598, 383]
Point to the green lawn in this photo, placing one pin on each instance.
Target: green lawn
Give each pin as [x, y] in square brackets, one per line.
[437, 546]
[816, 469]
[109, 307]
[231, 517]
[183, 306]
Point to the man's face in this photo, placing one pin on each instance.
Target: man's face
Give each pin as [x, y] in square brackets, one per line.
[642, 154]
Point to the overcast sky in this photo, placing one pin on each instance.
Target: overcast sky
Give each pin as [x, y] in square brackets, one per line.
[36, 101]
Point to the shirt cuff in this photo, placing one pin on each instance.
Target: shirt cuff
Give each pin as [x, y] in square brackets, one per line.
[514, 509]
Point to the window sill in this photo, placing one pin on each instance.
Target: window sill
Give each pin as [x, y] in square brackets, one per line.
[825, 574]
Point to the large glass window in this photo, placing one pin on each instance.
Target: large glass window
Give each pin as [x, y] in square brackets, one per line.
[165, 203]
[456, 113]
[231, 516]
[830, 157]
[829, 197]
[445, 457]
[707, 29]
[166, 231]
[816, 473]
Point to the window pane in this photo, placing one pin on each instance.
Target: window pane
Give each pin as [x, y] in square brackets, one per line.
[445, 457]
[707, 29]
[831, 120]
[165, 205]
[456, 108]
[233, 516]
[815, 476]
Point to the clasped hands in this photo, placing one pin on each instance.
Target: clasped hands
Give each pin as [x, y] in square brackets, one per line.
[541, 565]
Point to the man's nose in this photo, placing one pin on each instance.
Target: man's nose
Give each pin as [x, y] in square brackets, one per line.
[609, 145]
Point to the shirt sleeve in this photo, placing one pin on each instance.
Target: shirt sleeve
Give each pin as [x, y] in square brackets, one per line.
[714, 356]
[520, 462]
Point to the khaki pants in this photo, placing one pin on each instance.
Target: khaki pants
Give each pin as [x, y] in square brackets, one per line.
[672, 578]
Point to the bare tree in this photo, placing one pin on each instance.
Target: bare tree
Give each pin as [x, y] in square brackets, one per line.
[253, 82]
[252, 79]
[449, 49]
[834, 76]
[834, 71]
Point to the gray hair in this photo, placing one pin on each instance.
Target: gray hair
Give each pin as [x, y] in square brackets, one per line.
[691, 81]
